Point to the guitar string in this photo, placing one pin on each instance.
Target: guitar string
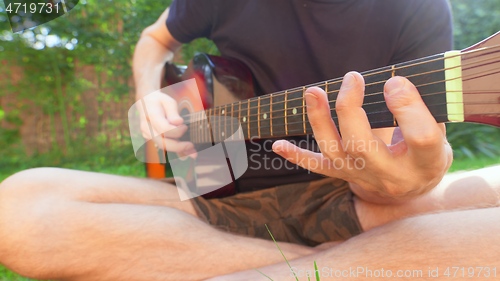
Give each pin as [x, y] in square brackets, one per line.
[299, 114]
[365, 104]
[380, 71]
[388, 111]
[374, 94]
[251, 123]
[410, 76]
[277, 126]
[278, 132]
[336, 91]
[300, 131]
[281, 132]
[337, 81]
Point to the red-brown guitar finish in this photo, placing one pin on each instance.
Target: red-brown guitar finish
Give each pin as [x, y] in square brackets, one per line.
[230, 79]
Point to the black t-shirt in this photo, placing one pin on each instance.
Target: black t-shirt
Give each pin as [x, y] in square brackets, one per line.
[290, 43]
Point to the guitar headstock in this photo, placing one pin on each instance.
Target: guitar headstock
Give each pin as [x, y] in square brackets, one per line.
[481, 81]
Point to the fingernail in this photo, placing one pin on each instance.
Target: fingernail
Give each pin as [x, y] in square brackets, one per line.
[277, 147]
[349, 81]
[394, 85]
[311, 99]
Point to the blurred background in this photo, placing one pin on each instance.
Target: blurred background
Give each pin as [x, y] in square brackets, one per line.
[66, 86]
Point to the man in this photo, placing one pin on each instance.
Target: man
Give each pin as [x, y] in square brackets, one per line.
[55, 226]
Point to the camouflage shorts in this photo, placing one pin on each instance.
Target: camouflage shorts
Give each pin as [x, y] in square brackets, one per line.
[308, 213]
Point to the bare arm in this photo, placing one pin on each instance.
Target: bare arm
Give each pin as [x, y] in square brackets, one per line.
[155, 47]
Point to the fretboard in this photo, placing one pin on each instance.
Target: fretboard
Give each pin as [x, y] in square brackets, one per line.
[438, 79]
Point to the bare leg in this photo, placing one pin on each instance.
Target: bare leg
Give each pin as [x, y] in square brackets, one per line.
[400, 237]
[460, 190]
[63, 224]
[414, 247]
[71, 225]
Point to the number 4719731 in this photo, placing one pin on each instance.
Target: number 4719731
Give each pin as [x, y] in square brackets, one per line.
[32, 8]
[470, 272]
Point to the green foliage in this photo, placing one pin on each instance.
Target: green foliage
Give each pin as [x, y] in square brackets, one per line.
[99, 155]
[472, 140]
[475, 20]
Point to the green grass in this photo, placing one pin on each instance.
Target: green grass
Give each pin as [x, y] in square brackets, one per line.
[5, 275]
[121, 161]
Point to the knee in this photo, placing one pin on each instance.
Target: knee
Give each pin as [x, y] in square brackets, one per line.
[22, 209]
[31, 180]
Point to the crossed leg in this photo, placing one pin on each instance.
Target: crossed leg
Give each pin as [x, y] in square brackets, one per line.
[61, 224]
[449, 233]
[73, 225]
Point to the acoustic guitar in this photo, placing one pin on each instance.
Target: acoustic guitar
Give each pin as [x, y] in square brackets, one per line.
[456, 86]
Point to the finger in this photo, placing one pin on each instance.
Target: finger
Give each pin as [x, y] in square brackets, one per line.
[423, 136]
[174, 146]
[319, 116]
[147, 131]
[357, 137]
[172, 111]
[312, 161]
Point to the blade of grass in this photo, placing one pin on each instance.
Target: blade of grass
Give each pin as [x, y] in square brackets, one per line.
[277, 246]
[263, 274]
[316, 271]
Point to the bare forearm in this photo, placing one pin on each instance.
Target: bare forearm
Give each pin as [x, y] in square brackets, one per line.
[148, 61]
[155, 47]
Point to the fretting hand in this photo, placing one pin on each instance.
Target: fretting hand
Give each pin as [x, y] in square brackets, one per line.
[377, 172]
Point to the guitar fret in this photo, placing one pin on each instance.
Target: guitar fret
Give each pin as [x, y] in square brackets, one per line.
[200, 128]
[232, 121]
[215, 124]
[205, 129]
[192, 124]
[271, 114]
[258, 116]
[286, 114]
[393, 73]
[224, 132]
[248, 119]
[196, 132]
[208, 129]
[239, 121]
[304, 109]
[198, 124]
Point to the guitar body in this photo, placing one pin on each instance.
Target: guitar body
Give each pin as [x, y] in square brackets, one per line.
[220, 81]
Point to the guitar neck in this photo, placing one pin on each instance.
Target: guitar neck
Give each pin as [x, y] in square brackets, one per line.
[453, 85]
